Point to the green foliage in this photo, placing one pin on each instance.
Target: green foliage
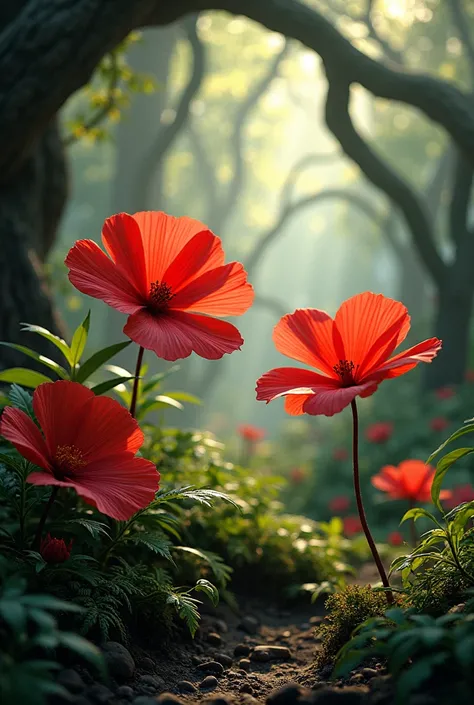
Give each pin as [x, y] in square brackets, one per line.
[347, 610]
[423, 653]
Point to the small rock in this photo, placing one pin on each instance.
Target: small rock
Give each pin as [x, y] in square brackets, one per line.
[286, 634]
[266, 652]
[167, 699]
[356, 678]
[218, 699]
[289, 694]
[125, 692]
[244, 663]
[350, 695]
[315, 620]
[249, 624]
[457, 608]
[213, 667]
[196, 660]
[186, 687]
[242, 673]
[119, 660]
[247, 699]
[214, 639]
[305, 626]
[71, 680]
[208, 683]
[223, 659]
[260, 655]
[246, 688]
[221, 626]
[242, 650]
[369, 672]
[149, 685]
[147, 664]
[100, 694]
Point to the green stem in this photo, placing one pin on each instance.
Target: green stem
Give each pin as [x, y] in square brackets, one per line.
[360, 505]
[413, 531]
[136, 381]
[39, 530]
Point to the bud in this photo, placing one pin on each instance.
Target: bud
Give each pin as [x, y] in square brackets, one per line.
[55, 550]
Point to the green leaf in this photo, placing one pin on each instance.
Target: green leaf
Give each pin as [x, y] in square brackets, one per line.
[104, 387]
[184, 396]
[98, 359]
[457, 434]
[160, 401]
[187, 608]
[156, 542]
[54, 339]
[157, 378]
[23, 377]
[209, 589]
[203, 496]
[60, 371]
[21, 399]
[441, 470]
[14, 614]
[79, 340]
[48, 602]
[418, 513]
[221, 571]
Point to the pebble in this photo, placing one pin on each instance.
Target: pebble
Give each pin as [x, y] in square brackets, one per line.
[305, 626]
[349, 695]
[249, 624]
[186, 687]
[289, 694]
[242, 650]
[125, 692]
[167, 699]
[208, 682]
[369, 672]
[286, 635]
[221, 626]
[150, 684]
[71, 680]
[223, 659]
[213, 667]
[315, 620]
[267, 652]
[119, 660]
[357, 678]
[261, 655]
[99, 694]
[147, 664]
[196, 660]
[246, 688]
[214, 639]
[244, 663]
[218, 699]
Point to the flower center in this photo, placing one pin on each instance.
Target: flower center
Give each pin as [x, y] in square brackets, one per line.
[67, 460]
[345, 370]
[160, 295]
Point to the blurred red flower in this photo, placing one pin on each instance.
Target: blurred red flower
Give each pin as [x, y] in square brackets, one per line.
[445, 393]
[340, 454]
[459, 495]
[352, 352]
[89, 444]
[163, 271]
[352, 526]
[411, 480]
[339, 504]
[55, 550]
[379, 432]
[395, 538]
[251, 433]
[470, 376]
[297, 476]
[439, 423]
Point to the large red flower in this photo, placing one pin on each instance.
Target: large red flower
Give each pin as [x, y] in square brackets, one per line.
[164, 272]
[352, 353]
[89, 444]
[411, 480]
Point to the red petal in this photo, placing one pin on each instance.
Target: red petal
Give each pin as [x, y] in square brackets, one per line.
[93, 273]
[59, 408]
[408, 359]
[106, 428]
[294, 403]
[371, 326]
[331, 401]
[388, 480]
[20, 430]
[122, 240]
[178, 334]
[417, 478]
[202, 253]
[286, 380]
[164, 236]
[118, 485]
[307, 336]
[223, 291]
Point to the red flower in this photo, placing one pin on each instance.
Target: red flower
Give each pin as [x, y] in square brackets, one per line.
[297, 476]
[341, 503]
[379, 432]
[55, 550]
[251, 433]
[89, 444]
[352, 526]
[340, 454]
[352, 352]
[411, 480]
[395, 538]
[164, 271]
[459, 495]
[445, 393]
[439, 423]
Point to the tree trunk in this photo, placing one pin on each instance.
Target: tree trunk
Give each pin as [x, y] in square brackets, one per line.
[452, 326]
[413, 290]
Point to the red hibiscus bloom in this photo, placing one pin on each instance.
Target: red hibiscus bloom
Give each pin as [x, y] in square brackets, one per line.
[340, 454]
[352, 526]
[89, 444]
[55, 550]
[352, 353]
[164, 272]
[395, 538]
[297, 476]
[411, 480]
[379, 432]
[459, 495]
[340, 503]
[251, 433]
[439, 423]
[445, 393]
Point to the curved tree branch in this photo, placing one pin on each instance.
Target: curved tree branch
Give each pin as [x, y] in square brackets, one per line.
[168, 133]
[209, 182]
[295, 171]
[462, 27]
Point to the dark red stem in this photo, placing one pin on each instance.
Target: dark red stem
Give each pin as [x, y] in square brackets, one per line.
[360, 505]
[136, 381]
[413, 531]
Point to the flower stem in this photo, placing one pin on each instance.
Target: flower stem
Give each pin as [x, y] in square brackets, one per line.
[136, 381]
[413, 531]
[39, 530]
[360, 505]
